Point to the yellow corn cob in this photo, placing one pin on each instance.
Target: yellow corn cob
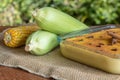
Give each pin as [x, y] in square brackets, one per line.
[15, 37]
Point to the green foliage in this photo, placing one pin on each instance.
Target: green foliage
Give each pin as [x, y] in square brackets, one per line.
[91, 12]
[9, 15]
[4, 3]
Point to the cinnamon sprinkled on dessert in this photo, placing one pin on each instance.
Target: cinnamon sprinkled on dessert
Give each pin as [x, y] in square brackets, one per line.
[114, 36]
[101, 44]
[98, 46]
[90, 43]
[81, 40]
[114, 41]
[90, 37]
[114, 49]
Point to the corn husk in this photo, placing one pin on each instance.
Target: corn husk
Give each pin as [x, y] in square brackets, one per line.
[56, 21]
[41, 42]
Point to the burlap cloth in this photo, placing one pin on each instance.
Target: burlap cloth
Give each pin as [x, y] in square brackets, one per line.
[51, 65]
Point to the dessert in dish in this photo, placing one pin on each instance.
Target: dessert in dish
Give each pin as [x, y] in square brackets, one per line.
[98, 49]
[102, 42]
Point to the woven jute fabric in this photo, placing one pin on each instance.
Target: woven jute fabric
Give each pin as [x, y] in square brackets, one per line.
[52, 65]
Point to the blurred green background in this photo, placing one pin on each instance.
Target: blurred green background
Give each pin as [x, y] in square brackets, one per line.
[91, 12]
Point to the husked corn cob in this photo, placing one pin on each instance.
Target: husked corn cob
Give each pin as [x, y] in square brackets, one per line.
[15, 37]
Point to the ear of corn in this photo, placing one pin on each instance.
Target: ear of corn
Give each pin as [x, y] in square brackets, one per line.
[55, 21]
[15, 37]
[41, 42]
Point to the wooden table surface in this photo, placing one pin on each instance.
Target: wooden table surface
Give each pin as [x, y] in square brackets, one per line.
[8, 73]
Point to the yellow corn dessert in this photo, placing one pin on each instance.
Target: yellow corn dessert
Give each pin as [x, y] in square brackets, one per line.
[99, 49]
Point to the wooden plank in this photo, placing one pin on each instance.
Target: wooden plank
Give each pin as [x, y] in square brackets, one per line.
[8, 73]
